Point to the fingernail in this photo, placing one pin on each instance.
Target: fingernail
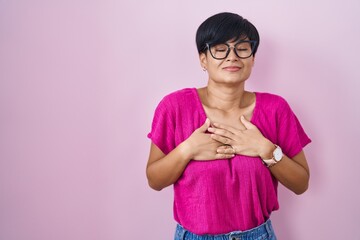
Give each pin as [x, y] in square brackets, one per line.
[211, 129]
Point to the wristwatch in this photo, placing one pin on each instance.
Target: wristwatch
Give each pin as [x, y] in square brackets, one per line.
[277, 156]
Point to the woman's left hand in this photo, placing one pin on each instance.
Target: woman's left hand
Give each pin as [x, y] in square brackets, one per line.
[248, 142]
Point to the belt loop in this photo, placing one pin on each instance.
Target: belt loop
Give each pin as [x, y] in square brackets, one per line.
[183, 234]
[180, 232]
[269, 227]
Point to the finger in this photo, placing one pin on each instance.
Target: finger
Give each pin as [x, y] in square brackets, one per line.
[205, 126]
[221, 132]
[223, 147]
[226, 149]
[221, 139]
[246, 123]
[224, 155]
[226, 127]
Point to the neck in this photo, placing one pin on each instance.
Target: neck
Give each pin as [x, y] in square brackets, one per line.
[225, 97]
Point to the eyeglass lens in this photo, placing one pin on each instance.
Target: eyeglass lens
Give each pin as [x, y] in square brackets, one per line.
[221, 51]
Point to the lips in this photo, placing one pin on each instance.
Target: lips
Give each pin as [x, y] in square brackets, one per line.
[232, 68]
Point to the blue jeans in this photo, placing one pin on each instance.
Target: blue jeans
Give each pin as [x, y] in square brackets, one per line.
[263, 232]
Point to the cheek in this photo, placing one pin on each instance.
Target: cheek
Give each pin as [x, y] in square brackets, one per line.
[249, 65]
[214, 67]
[248, 71]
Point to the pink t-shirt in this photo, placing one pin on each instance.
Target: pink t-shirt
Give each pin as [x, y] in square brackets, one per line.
[220, 196]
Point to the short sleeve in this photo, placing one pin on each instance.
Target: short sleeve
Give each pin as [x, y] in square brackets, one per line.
[162, 131]
[291, 135]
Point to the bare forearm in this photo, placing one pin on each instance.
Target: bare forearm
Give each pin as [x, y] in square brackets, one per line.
[291, 174]
[168, 169]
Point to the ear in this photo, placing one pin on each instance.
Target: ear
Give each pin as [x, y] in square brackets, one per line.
[203, 60]
[253, 61]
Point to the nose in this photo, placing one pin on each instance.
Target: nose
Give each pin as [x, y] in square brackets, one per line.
[232, 54]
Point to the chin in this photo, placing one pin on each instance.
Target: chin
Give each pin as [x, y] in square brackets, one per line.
[234, 81]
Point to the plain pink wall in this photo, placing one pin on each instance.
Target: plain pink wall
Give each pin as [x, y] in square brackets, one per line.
[79, 81]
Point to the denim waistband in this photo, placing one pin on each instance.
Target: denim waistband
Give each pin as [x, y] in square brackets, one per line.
[264, 231]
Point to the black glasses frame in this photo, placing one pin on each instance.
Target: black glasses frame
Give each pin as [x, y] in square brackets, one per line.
[252, 44]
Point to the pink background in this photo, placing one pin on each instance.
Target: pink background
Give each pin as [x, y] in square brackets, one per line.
[79, 81]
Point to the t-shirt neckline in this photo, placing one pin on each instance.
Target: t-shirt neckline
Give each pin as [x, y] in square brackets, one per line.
[203, 113]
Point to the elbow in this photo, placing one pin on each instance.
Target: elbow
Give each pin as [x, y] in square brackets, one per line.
[301, 189]
[154, 186]
[154, 181]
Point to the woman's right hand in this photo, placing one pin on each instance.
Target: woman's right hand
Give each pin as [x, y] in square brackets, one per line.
[201, 146]
[163, 170]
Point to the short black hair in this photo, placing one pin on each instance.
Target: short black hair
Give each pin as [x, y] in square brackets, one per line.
[223, 27]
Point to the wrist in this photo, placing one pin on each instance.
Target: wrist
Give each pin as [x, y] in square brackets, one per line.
[266, 149]
[186, 150]
[277, 156]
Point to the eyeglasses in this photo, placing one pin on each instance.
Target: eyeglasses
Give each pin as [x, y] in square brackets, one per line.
[242, 49]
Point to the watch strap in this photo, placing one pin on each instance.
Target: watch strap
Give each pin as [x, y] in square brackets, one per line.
[272, 161]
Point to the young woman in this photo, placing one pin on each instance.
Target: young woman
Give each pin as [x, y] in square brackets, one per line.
[224, 149]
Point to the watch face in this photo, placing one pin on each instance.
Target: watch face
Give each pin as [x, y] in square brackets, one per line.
[278, 154]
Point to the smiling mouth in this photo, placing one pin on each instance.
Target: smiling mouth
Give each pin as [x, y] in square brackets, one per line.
[232, 68]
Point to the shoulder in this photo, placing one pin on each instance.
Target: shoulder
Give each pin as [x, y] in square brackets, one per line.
[179, 94]
[177, 101]
[271, 101]
[179, 97]
[275, 106]
[271, 98]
